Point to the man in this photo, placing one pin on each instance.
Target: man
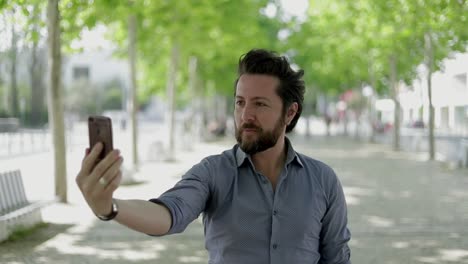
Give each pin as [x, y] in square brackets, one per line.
[262, 202]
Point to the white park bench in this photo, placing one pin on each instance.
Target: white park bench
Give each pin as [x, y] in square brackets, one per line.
[15, 209]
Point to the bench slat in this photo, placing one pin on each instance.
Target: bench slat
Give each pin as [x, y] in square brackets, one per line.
[22, 192]
[18, 189]
[3, 194]
[7, 202]
[12, 191]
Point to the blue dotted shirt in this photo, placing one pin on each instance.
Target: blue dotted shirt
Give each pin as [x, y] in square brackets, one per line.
[303, 221]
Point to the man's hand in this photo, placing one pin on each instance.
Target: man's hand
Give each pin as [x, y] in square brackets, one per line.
[98, 182]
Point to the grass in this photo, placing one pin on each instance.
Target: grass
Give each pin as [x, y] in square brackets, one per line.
[21, 233]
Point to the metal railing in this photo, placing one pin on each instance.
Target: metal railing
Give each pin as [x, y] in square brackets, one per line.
[24, 141]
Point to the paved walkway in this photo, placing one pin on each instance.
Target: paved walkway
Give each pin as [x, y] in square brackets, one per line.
[402, 209]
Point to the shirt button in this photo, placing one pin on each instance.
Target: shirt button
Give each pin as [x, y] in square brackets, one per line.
[275, 246]
[275, 212]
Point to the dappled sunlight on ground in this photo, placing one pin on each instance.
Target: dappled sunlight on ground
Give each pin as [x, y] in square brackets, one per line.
[377, 221]
[446, 255]
[401, 244]
[69, 244]
[355, 194]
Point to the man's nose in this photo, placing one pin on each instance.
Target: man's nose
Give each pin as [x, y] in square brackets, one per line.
[248, 114]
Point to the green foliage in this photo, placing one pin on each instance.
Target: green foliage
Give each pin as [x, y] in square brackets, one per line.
[5, 113]
[344, 44]
[3, 4]
[112, 96]
[21, 233]
[217, 33]
[341, 45]
[27, 119]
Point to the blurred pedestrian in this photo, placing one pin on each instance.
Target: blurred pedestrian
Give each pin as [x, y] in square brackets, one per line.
[262, 202]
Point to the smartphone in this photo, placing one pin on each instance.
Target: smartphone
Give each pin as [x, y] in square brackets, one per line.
[100, 130]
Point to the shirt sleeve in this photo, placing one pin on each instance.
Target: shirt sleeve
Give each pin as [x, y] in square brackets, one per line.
[335, 233]
[187, 199]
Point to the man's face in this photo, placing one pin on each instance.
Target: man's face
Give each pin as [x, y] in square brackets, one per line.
[258, 113]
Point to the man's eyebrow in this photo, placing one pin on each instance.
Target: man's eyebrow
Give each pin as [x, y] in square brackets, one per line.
[261, 98]
[254, 98]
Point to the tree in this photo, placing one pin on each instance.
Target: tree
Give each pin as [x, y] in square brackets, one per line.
[443, 31]
[170, 33]
[13, 53]
[36, 66]
[133, 102]
[56, 118]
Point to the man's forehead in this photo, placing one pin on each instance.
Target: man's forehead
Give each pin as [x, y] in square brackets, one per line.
[257, 86]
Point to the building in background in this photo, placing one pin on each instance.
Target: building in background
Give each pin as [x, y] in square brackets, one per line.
[97, 67]
[449, 96]
[95, 81]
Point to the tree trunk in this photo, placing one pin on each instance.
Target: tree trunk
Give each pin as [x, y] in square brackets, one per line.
[307, 125]
[36, 85]
[358, 124]
[37, 88]
[372, 111]
[4, 103]
[307, 111]
[133, 101]
[171, 94]
[35, 112]
[56, 118]
[345, 123]
[190, 123]
[13, 83]
[394, 91]
[429, 61]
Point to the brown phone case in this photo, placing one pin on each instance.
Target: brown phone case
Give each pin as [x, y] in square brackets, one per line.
[100, 130]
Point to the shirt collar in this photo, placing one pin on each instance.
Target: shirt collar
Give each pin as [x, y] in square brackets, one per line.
[291, 156]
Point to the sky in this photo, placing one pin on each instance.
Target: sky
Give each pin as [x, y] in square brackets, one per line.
[295, 7]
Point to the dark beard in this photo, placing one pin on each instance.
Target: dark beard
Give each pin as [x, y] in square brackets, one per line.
[265, 140]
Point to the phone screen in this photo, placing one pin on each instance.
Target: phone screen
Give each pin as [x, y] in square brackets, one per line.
[100, 130]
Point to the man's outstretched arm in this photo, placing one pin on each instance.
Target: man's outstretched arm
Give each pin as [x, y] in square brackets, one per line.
[97, 182]
[144, 216]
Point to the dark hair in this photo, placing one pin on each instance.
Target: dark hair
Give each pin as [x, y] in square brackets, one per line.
[291, 88]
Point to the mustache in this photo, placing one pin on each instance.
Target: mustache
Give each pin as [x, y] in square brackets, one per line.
[250, 126]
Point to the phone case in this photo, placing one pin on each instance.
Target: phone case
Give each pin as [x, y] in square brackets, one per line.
[100, 130]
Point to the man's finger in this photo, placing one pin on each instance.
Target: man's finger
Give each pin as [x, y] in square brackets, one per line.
[114, 184]
[111, 173]
[105, 165]
[87, 150]
[90, 160]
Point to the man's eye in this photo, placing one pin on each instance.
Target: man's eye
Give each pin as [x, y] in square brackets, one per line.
[260, 104]
[239, 102]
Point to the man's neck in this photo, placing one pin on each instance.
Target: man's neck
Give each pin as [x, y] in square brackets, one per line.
[271, 161]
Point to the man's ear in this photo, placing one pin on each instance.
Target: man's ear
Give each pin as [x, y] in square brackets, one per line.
[292, 111]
